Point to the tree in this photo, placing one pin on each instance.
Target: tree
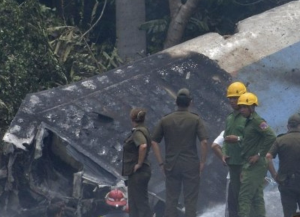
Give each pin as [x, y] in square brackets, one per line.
[41, 50]
[27, 63]
[187, 19]
[131, 41]
[180, 14]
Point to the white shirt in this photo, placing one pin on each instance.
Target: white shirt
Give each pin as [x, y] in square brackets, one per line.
[220, 139]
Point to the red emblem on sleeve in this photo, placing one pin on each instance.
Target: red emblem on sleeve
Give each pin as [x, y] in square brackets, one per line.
[263, 125]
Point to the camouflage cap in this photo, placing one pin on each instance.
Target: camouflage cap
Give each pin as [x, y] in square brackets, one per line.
[183, 91]
[294, 119]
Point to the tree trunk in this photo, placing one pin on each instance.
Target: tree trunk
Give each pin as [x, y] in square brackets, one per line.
[131, 42]
[180, 15]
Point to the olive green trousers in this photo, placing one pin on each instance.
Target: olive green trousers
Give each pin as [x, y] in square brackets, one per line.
[251, 189]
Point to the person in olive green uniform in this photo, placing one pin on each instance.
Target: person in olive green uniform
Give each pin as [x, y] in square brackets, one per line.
[287, 147]
[257, 140]
[182, 167]
[136, 165]
[234, 127]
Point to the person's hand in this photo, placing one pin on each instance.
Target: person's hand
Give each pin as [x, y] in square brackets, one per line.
[136, 167]
[224, 159]
[253, 159]
[231, 138]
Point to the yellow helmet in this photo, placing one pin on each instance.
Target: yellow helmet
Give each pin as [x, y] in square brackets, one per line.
[248, 99]
[236, 89]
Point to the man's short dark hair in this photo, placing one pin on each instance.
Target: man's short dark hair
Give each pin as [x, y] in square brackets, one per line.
[183, 101]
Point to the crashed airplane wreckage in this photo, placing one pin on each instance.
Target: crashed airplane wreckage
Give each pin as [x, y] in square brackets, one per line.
[64, 146]
[66, 142]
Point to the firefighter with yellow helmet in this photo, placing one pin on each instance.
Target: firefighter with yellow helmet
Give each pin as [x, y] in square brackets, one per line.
[231, 150]
[258, 137]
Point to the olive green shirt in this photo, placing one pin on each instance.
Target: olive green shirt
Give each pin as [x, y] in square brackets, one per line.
[139, 138]
[180, 131]
[287, 147]
[258, 137]
[139, 135]
[235, 124]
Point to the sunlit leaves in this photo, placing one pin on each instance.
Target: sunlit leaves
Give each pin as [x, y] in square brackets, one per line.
[80, 58]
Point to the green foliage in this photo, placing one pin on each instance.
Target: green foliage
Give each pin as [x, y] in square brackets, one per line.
[74, 39]
[81, 59]
[84, 13]
[39, 51]
[27, 63]
[156, 31]
[157, 13]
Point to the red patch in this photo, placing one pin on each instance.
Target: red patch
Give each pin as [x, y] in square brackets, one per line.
[263, 125]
